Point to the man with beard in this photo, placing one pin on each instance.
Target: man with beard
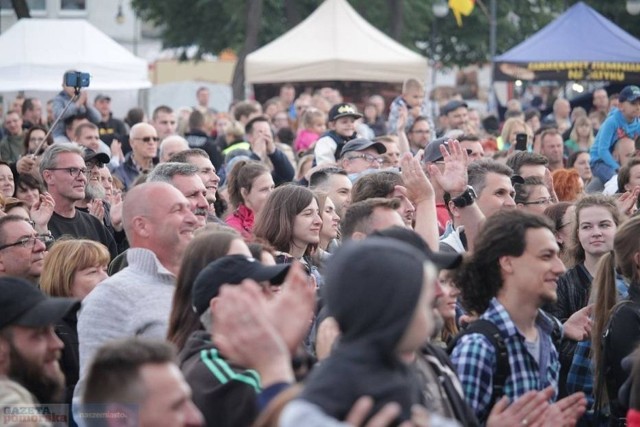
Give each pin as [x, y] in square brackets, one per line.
[509, 276]
[64, 172]
[29, 346]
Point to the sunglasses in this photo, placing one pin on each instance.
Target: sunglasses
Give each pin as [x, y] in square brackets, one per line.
[148, 139]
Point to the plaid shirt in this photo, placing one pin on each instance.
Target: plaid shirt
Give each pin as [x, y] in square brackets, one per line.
[475, 360]
[580, 376]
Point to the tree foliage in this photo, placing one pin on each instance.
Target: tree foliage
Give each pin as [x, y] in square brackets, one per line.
[214, 25]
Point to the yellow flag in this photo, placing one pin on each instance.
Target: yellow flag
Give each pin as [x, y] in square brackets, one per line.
[461, 7]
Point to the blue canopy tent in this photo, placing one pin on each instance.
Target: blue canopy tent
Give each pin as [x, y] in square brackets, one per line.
[580, 44]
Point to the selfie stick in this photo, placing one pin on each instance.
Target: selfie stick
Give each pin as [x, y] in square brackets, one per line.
[73, 99]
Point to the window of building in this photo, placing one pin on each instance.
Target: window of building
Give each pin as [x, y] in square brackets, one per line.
[34, 5]
[68, 5]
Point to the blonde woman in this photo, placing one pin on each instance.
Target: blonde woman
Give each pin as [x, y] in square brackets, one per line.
[73, 268]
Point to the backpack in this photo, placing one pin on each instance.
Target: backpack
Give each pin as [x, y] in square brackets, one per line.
[492, 333]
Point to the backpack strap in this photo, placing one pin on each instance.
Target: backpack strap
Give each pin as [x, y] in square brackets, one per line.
[492, 333]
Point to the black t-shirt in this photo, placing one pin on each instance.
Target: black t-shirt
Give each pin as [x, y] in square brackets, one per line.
[83, 226]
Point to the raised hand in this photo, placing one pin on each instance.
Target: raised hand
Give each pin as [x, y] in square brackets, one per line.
[418, 186]
[41, 212]
[291, 311]
[454, 178]
[628, 202]
[244, 334]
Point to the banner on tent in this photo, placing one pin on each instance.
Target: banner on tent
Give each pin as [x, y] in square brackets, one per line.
[628, 72]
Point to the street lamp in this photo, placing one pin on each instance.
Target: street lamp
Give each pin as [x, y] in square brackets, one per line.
[440, 9]
[633, 7]
[120, 15]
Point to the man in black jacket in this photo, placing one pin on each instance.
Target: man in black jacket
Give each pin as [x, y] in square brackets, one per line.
[227, 394]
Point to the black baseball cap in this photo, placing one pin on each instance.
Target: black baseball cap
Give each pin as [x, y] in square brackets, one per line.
[432, 150]
[92, 156]
[452, 106]
[23, 304]
[360, 144]
[343, 110]
[232, 270]
[441, 260]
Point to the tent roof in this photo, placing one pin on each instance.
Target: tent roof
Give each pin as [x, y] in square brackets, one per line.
[579, 34]
[36, 52]
[333, 43]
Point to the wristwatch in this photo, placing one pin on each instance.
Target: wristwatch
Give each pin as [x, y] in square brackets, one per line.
[465, 199]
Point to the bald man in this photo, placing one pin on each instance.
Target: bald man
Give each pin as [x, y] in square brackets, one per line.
[171, 145]
[136, 301]
[144, 150]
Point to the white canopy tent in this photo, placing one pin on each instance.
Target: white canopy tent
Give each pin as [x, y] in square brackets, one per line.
[36, 52]
[333, 43]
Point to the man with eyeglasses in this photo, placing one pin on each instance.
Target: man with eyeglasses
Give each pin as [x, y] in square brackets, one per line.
[532, 195]
[419, 134]
[361, 154]
[143, 156]
[65, 175]
[22, 249]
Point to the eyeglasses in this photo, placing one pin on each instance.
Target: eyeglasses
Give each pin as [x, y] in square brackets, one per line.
[368, 157]
[30, 242]
[74, 172]
[421, 131]
[546, 201]
[148, 139]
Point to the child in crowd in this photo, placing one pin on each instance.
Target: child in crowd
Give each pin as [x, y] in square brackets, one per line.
[623, 121]
[313, 123]
[411, 98]
[342, 129]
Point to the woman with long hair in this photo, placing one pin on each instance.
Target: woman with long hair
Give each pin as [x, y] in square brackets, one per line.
[623, 319]
[595, 222]
[330, 222]
[510, 129]
[72, 269]
[291, 223]
[208, 245]
[446, 306]
[249, 184]
[581, 136]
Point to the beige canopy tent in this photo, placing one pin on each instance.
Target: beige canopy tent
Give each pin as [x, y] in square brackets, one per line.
[333, 43]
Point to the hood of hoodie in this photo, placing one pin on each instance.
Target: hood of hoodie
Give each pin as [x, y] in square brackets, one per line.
[371, 289]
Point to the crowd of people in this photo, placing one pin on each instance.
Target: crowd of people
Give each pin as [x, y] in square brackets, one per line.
[297, 262]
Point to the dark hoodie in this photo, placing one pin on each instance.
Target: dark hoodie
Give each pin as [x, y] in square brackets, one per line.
[225, 394]
[372, 288]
